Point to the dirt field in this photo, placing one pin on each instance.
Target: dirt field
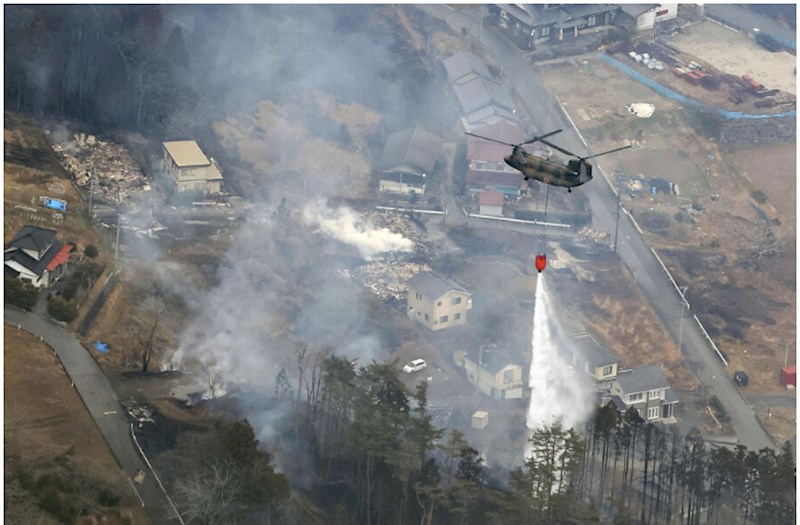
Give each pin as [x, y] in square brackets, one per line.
[737, 54]
[706, 232]
[47, 429]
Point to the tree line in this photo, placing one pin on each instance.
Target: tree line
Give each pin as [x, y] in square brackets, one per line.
[378, 458]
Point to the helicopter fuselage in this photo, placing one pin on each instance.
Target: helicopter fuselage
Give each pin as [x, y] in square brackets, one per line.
[573, 173]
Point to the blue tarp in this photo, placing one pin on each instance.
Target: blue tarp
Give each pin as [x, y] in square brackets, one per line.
[101, 347]
[55, 204]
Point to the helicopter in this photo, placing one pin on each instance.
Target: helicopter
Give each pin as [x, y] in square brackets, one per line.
[574, 173]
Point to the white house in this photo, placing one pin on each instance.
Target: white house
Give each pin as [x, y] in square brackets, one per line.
[190, 169]
[437, 302]
[646, 16]
[646, 389]
[36, 256]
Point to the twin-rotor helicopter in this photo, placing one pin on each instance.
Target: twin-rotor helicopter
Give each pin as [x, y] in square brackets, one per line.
[575, 172]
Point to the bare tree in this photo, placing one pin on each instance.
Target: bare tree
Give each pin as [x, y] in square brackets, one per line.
[763, 244]
[210, 495]
[151, 328]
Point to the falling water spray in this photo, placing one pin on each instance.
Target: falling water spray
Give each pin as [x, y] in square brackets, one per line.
[557, 390]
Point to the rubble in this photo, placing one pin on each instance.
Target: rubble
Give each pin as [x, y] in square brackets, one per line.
[395, 222]
[138, 413]
[385, 279]
[106, 168]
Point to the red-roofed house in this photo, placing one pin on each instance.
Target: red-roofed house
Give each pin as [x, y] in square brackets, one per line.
[487, 169]
[34, 255]
[491, 203]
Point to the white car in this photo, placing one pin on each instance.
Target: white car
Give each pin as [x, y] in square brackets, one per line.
[415, 366]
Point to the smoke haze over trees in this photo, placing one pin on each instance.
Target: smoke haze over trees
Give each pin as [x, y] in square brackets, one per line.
[278, 322]
[177, 67]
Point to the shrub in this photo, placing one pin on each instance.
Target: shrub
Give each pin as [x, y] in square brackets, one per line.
[107, 498]
[759, 196]
[21, 294]
[91, 251]
[62, 309]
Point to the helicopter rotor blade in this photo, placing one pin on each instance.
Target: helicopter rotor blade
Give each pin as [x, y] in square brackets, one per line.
[559, 148]
[540, 137]
[491, 140]
[607, 152]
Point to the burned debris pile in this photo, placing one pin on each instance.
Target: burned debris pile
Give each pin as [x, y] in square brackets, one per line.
[103, 168]
[385, 279]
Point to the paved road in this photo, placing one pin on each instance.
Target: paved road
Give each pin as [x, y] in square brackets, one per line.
[633, 251]
[99, 398]
[741, 16]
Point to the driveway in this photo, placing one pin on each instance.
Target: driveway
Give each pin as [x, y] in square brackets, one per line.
[103, 405]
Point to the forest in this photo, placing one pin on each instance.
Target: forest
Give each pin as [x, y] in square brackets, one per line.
[376, 458]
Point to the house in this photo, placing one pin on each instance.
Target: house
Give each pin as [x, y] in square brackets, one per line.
[407, 159]
[464, 67]
[530, 24]
[487, 169]
[646, 389]
[491, 203]
[36, 256]
[189, 168]
[484, 102]
[491, 372]
[437, 302]
[596, 361]
[644, 17]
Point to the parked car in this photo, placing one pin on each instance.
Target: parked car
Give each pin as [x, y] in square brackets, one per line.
[415, 366]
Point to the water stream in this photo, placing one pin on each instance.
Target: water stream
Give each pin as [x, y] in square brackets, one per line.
[557, 390]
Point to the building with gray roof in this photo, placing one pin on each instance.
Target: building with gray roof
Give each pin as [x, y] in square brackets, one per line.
[437, 302]
[464, 67]
[408, 158]
[644, 389]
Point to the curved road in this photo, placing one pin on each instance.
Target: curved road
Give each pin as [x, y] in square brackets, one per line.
[632, 250]
[103, 405]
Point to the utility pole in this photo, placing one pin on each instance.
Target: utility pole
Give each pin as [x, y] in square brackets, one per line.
[91, 194]
[616, 223]
[680, 328]
[786, 354]
[116, 243]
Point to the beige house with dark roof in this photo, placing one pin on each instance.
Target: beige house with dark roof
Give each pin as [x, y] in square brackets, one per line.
[190, 169]
[437, 302]
[491, 371]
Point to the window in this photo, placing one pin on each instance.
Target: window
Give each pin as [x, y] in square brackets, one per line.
[653, 394]
[591, 368]
[456, 317]
[545, 31]
[652, 412]
[607, 370]
[592, 20]
[427, 318]
[508, 377]
[632, 398]
[439, 303]
[418, 296]
[457, 300]
[443, 319]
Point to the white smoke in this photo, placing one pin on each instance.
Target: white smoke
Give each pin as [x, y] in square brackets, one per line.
[346, 226]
